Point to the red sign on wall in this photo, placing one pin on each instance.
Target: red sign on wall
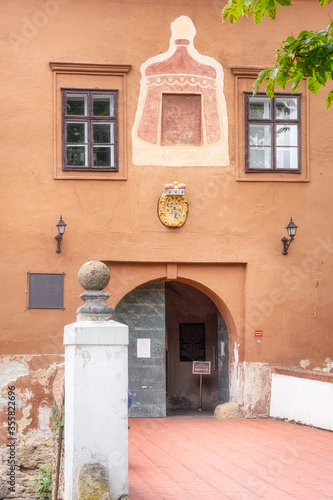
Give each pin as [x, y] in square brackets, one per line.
[258, 333]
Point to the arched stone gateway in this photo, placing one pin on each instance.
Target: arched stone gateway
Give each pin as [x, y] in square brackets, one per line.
[171, 324]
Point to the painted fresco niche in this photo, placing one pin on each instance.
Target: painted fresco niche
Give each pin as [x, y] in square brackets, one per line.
[181, 118]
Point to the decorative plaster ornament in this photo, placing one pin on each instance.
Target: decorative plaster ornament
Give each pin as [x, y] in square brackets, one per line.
[181, 118]
[173, 206]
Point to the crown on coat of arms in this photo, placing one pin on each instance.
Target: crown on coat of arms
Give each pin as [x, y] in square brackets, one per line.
[175, 188]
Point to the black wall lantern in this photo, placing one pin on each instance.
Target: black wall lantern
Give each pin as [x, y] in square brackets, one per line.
[291, 228]
[61, 230]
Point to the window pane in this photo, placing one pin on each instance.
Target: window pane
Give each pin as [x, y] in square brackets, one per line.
[260, 108]
[103, 133]
[286, 108]
[104, 156]
[287, 158]
[76, 132]
[76, 104]
[260, 158]
[76, 156]
[260, 135]
[286, 135]
[103, 105]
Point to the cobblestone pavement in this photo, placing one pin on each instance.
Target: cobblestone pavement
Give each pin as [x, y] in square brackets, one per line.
[205, 458]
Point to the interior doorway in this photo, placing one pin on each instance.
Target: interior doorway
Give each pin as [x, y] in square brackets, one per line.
[171, 324]
[195, 331]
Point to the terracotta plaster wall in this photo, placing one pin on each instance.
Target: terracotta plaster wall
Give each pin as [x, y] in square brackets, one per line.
[230, 223]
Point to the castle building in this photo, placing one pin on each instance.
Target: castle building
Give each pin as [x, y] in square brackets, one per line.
[135, 122]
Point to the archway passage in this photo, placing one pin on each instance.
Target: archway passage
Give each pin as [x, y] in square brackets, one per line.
[171, 324]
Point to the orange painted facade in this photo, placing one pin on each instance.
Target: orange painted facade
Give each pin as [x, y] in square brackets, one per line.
[230, 246]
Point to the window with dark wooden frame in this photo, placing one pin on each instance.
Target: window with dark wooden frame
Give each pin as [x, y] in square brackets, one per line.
[273, 133]
[90, 130]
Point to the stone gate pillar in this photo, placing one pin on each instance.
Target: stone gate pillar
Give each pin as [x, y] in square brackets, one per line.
[96, 385]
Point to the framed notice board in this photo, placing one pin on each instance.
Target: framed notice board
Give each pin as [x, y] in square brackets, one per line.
[192, 342]
[201, 367]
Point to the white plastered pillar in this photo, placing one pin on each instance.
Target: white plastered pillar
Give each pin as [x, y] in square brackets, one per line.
[96, 393]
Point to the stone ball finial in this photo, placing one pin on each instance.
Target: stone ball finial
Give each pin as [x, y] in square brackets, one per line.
[94, 275]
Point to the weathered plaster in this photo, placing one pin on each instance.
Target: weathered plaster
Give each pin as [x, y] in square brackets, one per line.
[250, 387]
[44, 417]
[10, 371]
[235, 387]
[25, 421]
[32, 376]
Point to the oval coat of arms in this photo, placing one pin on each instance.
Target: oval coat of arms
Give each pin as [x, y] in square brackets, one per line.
[173, 206]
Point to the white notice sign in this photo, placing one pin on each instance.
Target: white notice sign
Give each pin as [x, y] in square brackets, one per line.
[143, 348]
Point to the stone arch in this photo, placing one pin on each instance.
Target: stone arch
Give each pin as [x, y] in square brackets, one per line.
[145, 309]
[157, 272]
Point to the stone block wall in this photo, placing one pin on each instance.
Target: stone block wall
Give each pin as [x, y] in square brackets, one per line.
[143, 310]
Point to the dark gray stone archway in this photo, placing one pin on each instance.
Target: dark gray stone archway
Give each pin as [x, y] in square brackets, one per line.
[143, 310]
[164, 381]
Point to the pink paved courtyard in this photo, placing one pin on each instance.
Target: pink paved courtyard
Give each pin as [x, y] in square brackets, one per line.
[204, 458]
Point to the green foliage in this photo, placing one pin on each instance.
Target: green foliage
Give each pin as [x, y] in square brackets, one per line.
[235, 8]
[101, 133]
[75, 132]
[329, 99]
[75, 106]
[43, 482]
[101, 108]
[56, 421]
[310, 55]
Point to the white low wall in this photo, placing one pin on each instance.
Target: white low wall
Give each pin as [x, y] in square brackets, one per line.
[304, 400]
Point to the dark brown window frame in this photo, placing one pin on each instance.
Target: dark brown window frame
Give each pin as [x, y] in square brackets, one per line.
[272, 121]
[89, 119]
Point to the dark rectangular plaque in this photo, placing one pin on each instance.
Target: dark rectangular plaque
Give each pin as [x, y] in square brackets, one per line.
[46, 291]
[192, 342]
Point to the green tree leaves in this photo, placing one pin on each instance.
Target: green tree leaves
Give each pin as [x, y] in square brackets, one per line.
[284, 3]
[329, 99]
[271, 9]
[235, 8]
[310, 55]
[259, 10]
